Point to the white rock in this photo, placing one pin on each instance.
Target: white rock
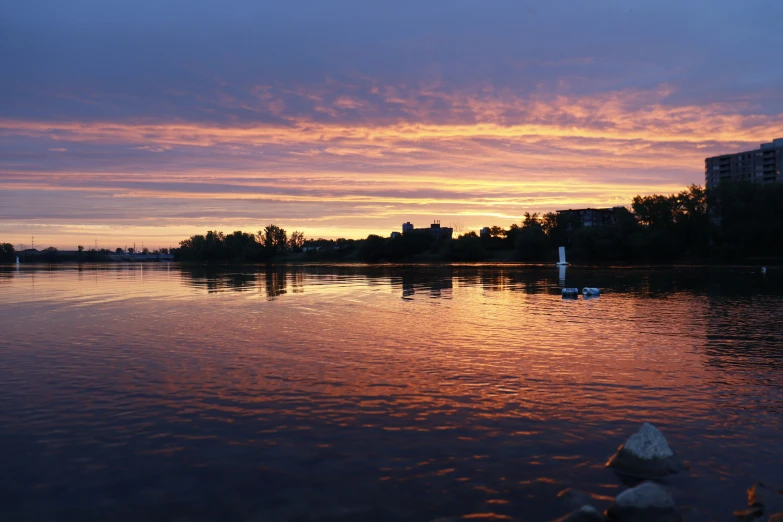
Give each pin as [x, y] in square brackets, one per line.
[645, 495]
[648, 443]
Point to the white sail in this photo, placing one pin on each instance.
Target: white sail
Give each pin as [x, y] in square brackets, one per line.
[562, 256]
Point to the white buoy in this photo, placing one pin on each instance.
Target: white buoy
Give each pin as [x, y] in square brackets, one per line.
[562, 256]
[591, 291]
[570, 292]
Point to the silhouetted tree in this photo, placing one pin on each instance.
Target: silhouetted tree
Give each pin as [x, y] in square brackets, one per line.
[241, 246]
[532, 243]
[496, 231]
[274, 239]
[467, 247]
[511, 235]
[672, 227]
[372, 248]
[531, 220]
[7, 253]
[560, 228]
[296, 241]
[748, 220]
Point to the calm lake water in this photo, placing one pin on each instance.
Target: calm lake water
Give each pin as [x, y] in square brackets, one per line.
[161, 393]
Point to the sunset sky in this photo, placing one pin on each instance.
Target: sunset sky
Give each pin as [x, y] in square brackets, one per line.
[149, 120]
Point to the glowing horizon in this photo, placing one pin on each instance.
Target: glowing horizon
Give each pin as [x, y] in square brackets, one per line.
[329, 139]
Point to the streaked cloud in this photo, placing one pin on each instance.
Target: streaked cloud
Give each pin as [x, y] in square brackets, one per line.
[471, 114]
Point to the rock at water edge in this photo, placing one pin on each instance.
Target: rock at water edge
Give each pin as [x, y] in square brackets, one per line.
[574, 498]
[760, 494]
[647, 502]
[646, 454]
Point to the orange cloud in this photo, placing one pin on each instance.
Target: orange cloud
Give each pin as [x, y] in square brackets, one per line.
[489, 155]
[628, 117]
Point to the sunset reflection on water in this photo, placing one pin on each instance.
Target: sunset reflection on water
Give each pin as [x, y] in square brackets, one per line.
[384, 392]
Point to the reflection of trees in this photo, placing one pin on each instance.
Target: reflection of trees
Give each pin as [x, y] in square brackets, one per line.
[721, 282]
[275, 282]
[744, 335]
[6, 275]
[437, 282]
[218, 279]
[743, 350]
[510, 278]
[296, 278]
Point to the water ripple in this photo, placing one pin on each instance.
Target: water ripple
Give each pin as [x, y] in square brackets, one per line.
[395, 393]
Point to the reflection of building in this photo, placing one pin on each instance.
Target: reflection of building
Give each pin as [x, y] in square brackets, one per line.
[437, 231]
[591, 217]
[762, 165]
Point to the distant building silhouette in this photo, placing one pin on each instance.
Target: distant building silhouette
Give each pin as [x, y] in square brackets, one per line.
[762, 165]
[591, 217]
[485, 232]
[437, 231]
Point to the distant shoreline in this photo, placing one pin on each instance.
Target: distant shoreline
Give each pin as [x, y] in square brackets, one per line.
[772, 264]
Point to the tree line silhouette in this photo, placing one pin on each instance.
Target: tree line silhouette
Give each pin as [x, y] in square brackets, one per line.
[733, 222]
[269, 243]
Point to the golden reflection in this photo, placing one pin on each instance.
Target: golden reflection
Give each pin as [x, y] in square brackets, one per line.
[499, 330]
[501, 391]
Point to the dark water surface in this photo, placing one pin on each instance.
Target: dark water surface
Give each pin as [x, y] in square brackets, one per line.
[160, 393]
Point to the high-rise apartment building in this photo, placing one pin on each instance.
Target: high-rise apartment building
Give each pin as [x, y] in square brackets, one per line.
[762, 165]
